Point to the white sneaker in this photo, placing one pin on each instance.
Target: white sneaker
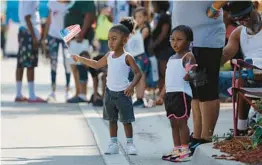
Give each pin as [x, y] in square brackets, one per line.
[131, 149]
[112, 149]
[51, 97]
[68, 95]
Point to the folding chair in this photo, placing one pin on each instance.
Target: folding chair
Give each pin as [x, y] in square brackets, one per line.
[248, 94]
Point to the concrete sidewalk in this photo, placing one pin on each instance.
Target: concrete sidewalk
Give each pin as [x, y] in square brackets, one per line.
[43, 134]
[152, 135]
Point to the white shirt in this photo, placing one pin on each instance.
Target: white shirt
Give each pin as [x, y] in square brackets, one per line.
[251, 45]
[57, 11]
[30, 8]
[175, 73]
[117, 73]
[135, 44]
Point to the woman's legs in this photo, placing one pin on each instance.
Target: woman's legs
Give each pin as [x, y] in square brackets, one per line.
[53, 45]
[76, 78]
[67, 69]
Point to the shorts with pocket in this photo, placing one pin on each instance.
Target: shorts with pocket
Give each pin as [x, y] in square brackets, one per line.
[118, 104]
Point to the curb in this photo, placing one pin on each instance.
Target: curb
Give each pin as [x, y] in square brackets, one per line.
[203, 156]
[100, 132]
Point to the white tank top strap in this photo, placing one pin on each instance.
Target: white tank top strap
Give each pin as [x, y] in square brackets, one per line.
[182, 59]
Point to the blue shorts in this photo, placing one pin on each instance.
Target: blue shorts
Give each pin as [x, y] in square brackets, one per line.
[118, 103]
[142, 62]
[83, 73]
[150, 83]
[225, 81]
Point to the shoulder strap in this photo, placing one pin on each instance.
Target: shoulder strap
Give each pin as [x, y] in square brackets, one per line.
[185, 55]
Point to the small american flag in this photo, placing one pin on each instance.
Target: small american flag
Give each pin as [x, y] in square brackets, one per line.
[70, 32]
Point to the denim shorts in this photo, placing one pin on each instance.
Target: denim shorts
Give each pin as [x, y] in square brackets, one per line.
[83, 73]
[117, 103]
[142, 62]
[225, 81]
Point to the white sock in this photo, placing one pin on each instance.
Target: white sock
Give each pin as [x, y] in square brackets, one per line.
[31, 88]
[242, 125]
[82, 96]
[129, 140]
[19, 89]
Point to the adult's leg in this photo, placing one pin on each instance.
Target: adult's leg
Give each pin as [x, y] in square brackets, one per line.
[76, 79]
[197, 119]
[243, 111]
[210, 113]
[67, 67]
[208, 93]
[53, 45]
[83, 78]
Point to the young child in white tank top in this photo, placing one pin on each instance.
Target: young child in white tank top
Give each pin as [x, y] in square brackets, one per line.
[177, 94]
[119, 90]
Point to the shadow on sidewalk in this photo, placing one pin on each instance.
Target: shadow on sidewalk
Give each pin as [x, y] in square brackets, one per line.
[57, 160]
[47, 147]
[13, 109]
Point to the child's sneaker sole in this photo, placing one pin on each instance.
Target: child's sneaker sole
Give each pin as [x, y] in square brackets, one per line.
[181, 160]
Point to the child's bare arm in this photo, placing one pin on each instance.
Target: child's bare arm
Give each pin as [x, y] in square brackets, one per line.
[137, 74]
[91, 63]
[145, 33]
[162, 93]
[189, 63]
[189, 60]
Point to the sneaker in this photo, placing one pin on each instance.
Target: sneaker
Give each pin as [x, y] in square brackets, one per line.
[76, 99]
[174, 154]
[131, 149]
[194, 144]
[112, 149]
[183, 157]
[51, 98]
[139, 103]
[21, 99]
[37, 100]
[67, 95]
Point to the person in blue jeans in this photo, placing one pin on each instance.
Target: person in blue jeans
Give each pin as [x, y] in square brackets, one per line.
[117, 99]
